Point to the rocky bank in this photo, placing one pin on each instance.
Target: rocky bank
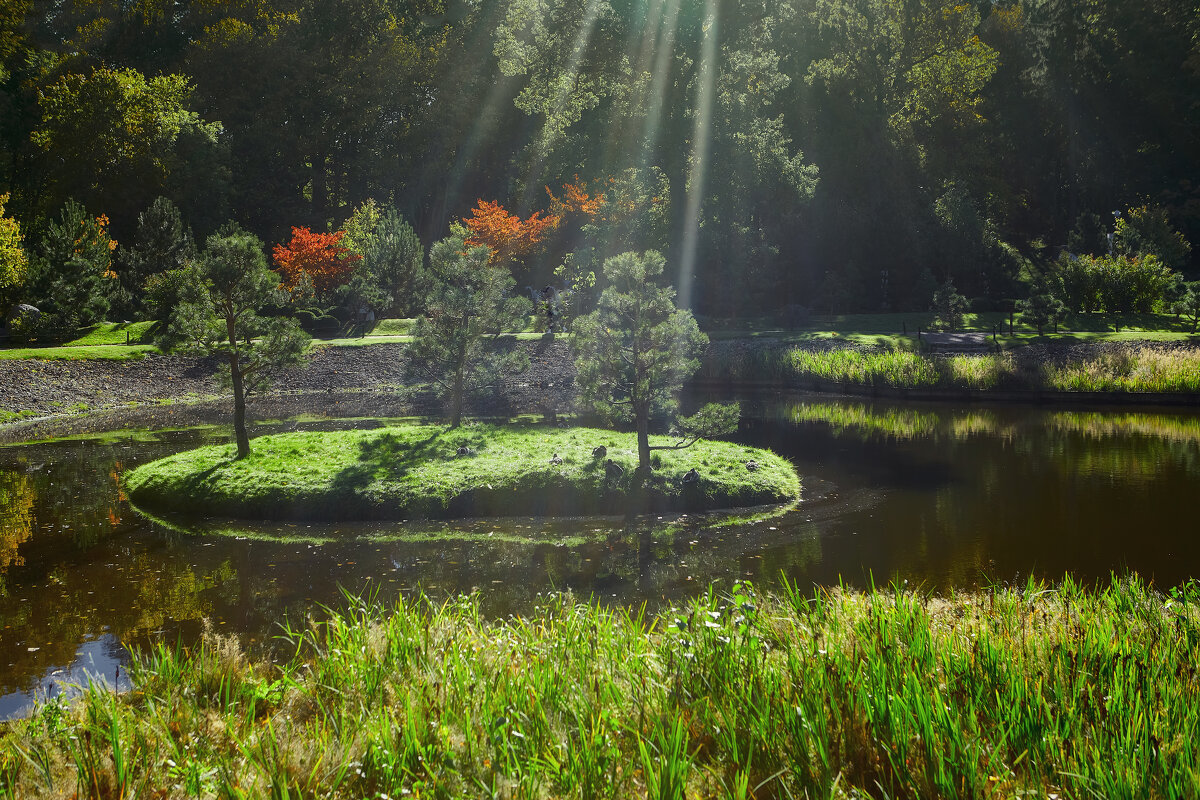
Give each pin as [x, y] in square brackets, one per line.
[55, 387]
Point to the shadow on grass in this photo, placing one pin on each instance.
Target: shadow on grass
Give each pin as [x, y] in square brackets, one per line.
[390, 456]
[189, 493]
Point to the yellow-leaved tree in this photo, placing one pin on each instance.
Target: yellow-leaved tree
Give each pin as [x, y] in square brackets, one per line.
[13, 263]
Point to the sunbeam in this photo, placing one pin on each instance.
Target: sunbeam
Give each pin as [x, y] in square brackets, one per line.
[501, 92]
[553, 128]
[701, 137]
[662, 70]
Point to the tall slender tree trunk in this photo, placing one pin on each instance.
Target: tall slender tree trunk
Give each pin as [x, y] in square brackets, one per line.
[456, 398]
[239, 390]
[643, 440]
[239, 406]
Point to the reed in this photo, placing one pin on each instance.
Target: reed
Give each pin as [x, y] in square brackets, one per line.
[1131, 370]
[1124, 369]
[1027, 690]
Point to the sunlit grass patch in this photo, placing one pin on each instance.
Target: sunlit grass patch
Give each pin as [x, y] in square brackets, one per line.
[1122, 368]
[392, 327]
[112, 333]
[869, 368]
[428, 471]
[112, 352]
[979, 372]
[1131, 370]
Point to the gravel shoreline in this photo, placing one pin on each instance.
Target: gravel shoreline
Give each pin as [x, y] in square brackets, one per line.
[344, 381]
[56, 387]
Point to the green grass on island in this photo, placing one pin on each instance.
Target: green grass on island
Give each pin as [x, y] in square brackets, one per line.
[416, 471]
[1031, 691]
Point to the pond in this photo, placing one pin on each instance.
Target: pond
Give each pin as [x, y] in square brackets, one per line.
[941, 496]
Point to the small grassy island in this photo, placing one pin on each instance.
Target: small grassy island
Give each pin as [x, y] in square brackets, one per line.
[432, 471]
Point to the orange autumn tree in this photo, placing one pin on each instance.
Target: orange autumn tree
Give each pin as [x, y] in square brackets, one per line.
[319, 257]
[506, 235]
[575, 199]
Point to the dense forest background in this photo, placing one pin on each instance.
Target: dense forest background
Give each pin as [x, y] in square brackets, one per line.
[839, 155]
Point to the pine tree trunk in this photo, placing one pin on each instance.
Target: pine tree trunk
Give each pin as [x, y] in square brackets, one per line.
[456, 399]
[643, 439]
[239, 407]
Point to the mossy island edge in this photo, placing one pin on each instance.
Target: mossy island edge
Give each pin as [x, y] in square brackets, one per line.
[431, 471]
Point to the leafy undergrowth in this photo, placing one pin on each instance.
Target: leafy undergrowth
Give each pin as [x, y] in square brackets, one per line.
[1004, 693]
[416, 471]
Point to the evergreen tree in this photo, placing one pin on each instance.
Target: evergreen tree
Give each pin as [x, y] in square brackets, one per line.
[230, 283]
[467, 301]
[634, 352]
[949, 306]
[162, 243]
[1189, 303]
[1042, 309]
[73, 278]
[393, 259]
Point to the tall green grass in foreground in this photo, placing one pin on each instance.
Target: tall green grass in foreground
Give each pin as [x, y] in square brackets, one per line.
[889, 693]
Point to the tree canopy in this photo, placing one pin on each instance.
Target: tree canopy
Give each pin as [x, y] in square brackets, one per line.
[13, 261]
[835, 154]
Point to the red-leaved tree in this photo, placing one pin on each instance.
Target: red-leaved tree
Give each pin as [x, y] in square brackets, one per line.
[508, 237]
[321, 257]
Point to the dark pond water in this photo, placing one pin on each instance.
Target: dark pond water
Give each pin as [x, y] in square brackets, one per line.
[940, 496]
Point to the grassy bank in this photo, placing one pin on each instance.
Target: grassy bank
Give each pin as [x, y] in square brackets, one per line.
[415, 471]
[1087, 326]
[1021, 692]
[1124, 369]
[119, 341]
[108, 352]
